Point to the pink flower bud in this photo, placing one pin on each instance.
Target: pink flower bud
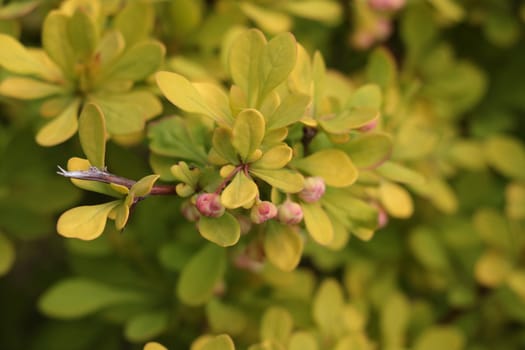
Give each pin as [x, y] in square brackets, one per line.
[209, 204]
[313, 190]
[369, 126]
[383, 28]
[386, 5]
[382, 218]
[189, 211]
[290, 213]
[263, 211]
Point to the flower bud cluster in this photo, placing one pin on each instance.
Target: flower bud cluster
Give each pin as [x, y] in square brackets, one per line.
[209, 204]
[314, 188]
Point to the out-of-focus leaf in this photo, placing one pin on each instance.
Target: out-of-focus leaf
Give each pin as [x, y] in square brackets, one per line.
[82, 34]
[334, 166]
[343, 122]
[138, 62]
[146, 326]
[381, 68]
[210, 261]
[55, 42]
[17, 9]
[134, 21]
[396, 200]
[61, 128]
[92, 134]
[428, 249]
[7, 254]
[276, 324]
[154, 346]
[282, 245]
[440, 337]
[28, 89]
[220, 342]
[395, 314]
[79, 297]
[506, 155]
[225, 318]
[328, 12]
[16, 58]
[318, 223]
[369, 150]
[224, 231]
[399, 173]
[515, 201]
[303, 341]
[492, 269]
[328, 306]
[271, 21]
[284, 179]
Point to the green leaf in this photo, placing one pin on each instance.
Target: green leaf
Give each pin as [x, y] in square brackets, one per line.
[28, 89]
[291, 109]
[266, 19]
[328, 306]
[493, 268]
[244, 62]
[318, 224]
[210, 261]
[225, 318]
[146, 326]
[428, 249]
[143, 187]
[154, 346]
[138, 62]
[381, 68]
[7, 254]
[248, 132]
[126, 113]
[396, 200]
[284, 179]
[347, 120]
[275, 158]
[368, 95]
[85, 222]
[467, 154]
[399, 173]
[493, 229]
[283, 246]
[507, 155]
[120, 214]
[277, 63]
[222, 145]
[220, 342]
[395, 314]
[224, 231]
[178, 138]
[78, 297]
[440, 337]
[183, 94]
[92, 134]
[82, 34]
[328, 12]
[240, 192]
[515, 200]
[56, 44]
[333, 165]
[276, 324]
[303, 341]
[217, 100]
[17, 9]
[17, 59]
[369, 150]
[61, 128]
[134, 21]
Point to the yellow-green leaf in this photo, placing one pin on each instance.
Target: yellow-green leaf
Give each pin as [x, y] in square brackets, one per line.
[28, 89]
[395, 314]
[284, 179]
[333, 165]
[244, 62]
[220, 342]
[241, 191]
[291, 109]
[277, 63]
[210, 261]
[400, 173]
[7, 254]
[85, 222]
[143, 187]
[492, 269]
[381, 68]
[120, 214]
[147, 325]
[135, 21]
[55, 40]
[183, 94]
[226, 318]
[268, 20]
[248, 132]
[275, 158]
[303, 341]
[217, 100]
[328, 306]
[75, 164]
[318, 223]
[515, 201]
[354, 118]
[60, 128]
[368, 95]
[16, 58]
[369, 150]
[396, 200]
[328, 12]
[276, 324]
[82, 34]
[92, 134]
[507, 155]
[283, 246]
[154, 346]
[17, 9]
[439, 338]
[224, 231]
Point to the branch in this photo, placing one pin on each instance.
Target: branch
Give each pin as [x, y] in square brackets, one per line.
[96, 174]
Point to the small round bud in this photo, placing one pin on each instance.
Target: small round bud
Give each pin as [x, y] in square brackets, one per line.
[314, 188]
[290, 213]
[386, 5]
[209, 204]
[189, 211]
[262, 212]
[369, 126]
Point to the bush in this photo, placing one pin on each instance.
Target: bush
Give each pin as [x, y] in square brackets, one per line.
[300, 174]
